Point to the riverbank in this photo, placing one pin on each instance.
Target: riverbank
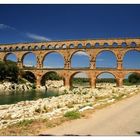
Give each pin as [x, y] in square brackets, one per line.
[8, 87]
[79, 100]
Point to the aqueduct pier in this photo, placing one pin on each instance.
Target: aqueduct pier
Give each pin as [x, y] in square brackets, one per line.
[118, 46]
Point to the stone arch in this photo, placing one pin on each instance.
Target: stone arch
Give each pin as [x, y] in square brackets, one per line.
[131, 57]
[36, 47]
[11, 49]
[46, 77]
[34, 59]
[100, 61]
[79, 72]
[5, 49]
[29, 75]
[50, 47]
[29, 48]
[80, 46]
[105, 77]
[57, 46]
[82, 54]
[55, 52]
[23, 48]
[124, 44]
[115, 44]
[17, 48]
[71, 46]
[106, 44]
[88, 45]
[133, 44]
[14, 57]
[64, 46]
[43, 47]
[96, 45]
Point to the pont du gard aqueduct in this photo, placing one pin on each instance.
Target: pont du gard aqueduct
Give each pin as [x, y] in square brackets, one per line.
[67, 48]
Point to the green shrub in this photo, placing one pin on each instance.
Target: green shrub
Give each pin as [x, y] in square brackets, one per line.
[9, 71]
[22, 81]
[134, 78]
[25, 123]
[72, 115]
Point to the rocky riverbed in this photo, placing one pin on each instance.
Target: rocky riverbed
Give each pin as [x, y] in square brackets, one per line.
[79, 99]
[8, 87]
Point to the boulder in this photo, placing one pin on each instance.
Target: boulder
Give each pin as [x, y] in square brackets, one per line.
[85, 108]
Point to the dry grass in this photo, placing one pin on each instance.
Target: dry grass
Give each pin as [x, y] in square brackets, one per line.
[31, 128]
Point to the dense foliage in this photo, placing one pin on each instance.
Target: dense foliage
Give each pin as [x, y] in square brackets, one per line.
[50, 76]
[80, 80]
[29, 76]
[134, 78]
[106, 80]
[9, 71]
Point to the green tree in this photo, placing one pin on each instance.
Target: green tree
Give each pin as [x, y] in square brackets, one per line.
[9, 71]
[134, 78]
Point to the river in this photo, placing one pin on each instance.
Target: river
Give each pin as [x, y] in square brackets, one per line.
[29, 95]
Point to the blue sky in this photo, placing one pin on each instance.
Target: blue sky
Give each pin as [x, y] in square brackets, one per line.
[32, 23]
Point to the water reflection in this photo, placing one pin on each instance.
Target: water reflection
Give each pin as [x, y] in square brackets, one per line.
[15, 97]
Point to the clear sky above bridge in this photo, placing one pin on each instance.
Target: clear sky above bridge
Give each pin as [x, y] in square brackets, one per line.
[22, 23]
[32, 23]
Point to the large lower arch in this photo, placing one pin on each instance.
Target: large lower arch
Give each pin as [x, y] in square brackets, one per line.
[104, 78]
[80, 59]
[10, 57]
[29, 76]
[131, 59]
[29, 60]
[106, 59]
[80, 79]
[50, 77]
[53, 60]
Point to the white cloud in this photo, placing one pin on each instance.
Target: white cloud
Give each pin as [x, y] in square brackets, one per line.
[48, 67]
[81, 75]
[37, 37]
[4, 26]
[80, 53]
[29, 35]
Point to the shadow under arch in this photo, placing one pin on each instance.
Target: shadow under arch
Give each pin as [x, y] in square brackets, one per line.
[13, 59]
[29, 76]
[51, 75]
[53, 52]
[99, 61]
[26, 54]
[105, 77]
[80, 54]
[83, 79]
[131, 59]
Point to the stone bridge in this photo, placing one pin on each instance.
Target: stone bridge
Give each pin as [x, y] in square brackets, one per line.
[119, 47]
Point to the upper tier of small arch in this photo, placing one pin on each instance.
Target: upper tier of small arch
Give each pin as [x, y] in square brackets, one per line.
[72, 44]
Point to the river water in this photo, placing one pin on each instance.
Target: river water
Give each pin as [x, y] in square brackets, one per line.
[29, 95]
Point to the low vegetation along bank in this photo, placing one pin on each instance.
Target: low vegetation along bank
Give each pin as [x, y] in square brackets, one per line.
[33, 117]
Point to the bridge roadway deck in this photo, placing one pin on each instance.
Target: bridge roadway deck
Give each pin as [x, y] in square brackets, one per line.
[80, 69]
